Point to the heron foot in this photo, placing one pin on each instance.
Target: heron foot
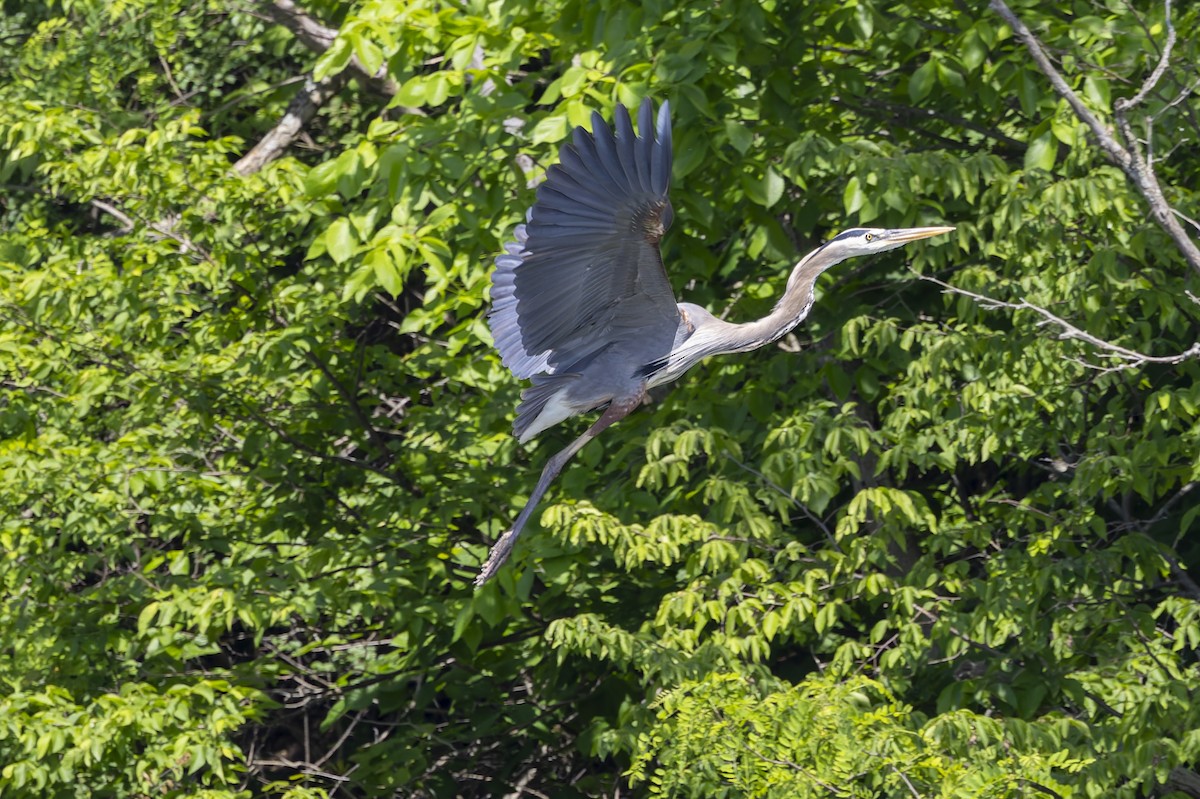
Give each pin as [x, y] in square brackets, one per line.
[495, 559]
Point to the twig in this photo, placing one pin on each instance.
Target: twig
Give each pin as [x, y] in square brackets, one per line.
[812, 517]
[1179, 572]
[1164, 59]
[125, 219]
[341, 740]
[377, 438]
[164, 227]
[1187, 219]
[831, 789]
[1043, 788]
[1129, 359]
[934, 618]
[911, 788]
[304, 768]
[902, 111]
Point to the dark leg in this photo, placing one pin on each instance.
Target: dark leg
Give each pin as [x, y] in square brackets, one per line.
[616, 411]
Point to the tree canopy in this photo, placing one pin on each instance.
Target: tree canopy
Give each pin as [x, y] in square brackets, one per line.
[254, 438]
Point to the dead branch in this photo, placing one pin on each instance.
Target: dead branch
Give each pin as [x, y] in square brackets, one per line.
[164, 228]
[1128, 156]
[318, 38]
[1164, 60]
[300, 110]
[1123, 357]
[127, 224]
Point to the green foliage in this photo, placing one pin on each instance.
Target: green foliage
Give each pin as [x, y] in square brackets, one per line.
[849, 738]
[255, 442]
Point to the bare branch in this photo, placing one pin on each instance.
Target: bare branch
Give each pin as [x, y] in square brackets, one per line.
[313, 34]
[165, 228]
[318, 38]
[1187, 219]
[1164, 60]
[300, 110]
[1106, 141]
[1125, 357]
[1128, 157]
[1184, 93]
[126, 221]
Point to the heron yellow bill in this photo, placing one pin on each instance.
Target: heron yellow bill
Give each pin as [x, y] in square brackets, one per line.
[914, 233]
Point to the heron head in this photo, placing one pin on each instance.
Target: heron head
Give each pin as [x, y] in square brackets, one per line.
[869, 240]
[854, 242]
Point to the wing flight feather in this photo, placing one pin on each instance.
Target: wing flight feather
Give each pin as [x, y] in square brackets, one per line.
[585, 271]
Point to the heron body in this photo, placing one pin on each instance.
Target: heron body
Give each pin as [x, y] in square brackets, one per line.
[581, 304]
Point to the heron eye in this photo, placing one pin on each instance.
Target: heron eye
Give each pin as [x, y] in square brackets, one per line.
[869, 236]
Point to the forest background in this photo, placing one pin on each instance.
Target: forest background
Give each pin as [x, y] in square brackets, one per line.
[255, 441]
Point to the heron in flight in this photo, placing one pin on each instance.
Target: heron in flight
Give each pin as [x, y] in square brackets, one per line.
[581, 303]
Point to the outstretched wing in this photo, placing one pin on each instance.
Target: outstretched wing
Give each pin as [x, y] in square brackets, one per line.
[585, 270]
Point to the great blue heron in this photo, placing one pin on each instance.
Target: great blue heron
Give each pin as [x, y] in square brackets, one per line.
[581, 303]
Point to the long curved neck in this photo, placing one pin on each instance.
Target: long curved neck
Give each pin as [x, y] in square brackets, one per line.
[702, 334]
[790, 311]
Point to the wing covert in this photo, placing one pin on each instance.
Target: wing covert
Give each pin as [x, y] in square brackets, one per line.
[585, 271]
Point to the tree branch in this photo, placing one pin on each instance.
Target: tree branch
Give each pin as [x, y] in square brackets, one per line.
[1125, 357]
[164, 228]
[318, 38]
[1129, 157]
[1184, 780]
[300, 110]
[1164, 59]
[116, 213]
[902, 112]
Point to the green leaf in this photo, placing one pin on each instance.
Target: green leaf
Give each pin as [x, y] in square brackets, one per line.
[740, 136]
[333, 60]
[552, 128]
[949, 77]
[1029, 93]
[351, 173]
[321, 179]
[1066, 129]
[370, 55]
[853, 197]
[412, 93]
[973, 51]
[921, 81]
[385, 269]
[146, 617]
[437, 89]
[1041, 153]
[766, 190]
[1097, 91]
[340, 241]
[573, 81]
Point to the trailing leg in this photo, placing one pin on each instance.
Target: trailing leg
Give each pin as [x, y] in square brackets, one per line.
[616, 411]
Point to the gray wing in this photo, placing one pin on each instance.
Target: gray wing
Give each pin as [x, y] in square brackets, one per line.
[585, 270]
